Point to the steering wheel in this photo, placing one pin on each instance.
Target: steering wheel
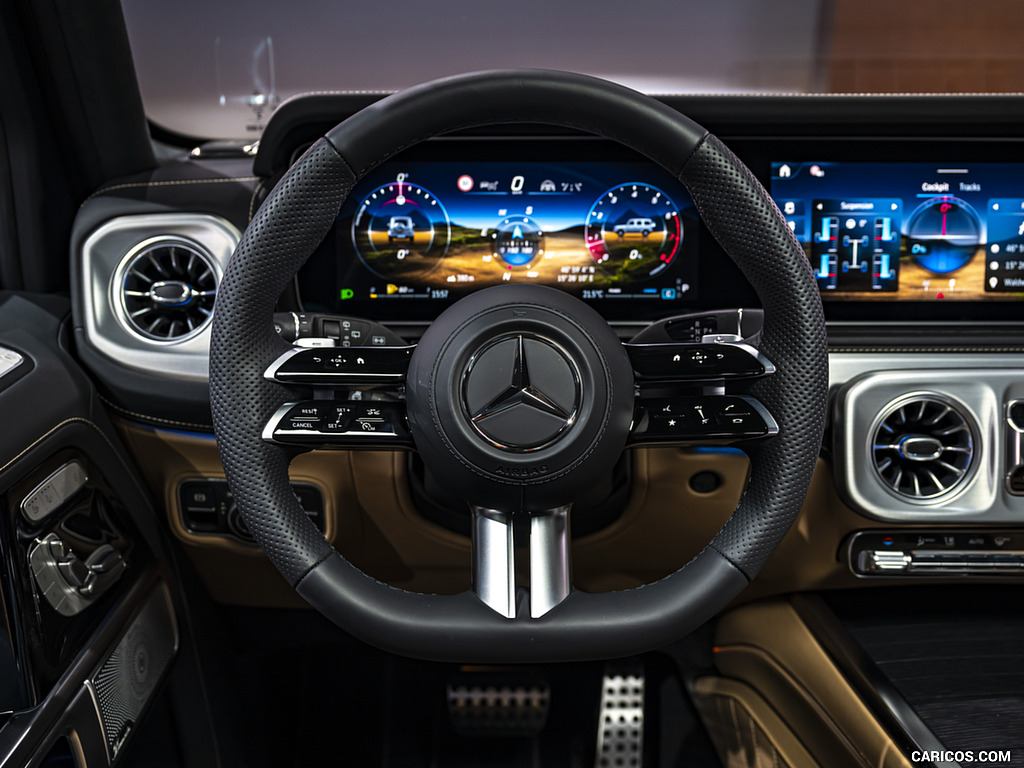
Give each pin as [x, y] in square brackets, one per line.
[519, 397]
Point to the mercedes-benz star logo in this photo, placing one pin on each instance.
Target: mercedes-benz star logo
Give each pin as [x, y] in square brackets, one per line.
[529, 412]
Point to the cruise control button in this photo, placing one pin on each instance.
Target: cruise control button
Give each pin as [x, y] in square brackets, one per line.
[340, 425]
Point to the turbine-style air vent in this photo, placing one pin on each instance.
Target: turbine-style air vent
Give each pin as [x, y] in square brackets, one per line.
[167, 289]
[923, 447]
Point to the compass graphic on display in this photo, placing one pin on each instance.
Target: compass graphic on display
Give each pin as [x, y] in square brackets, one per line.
[401, 230]
[943, 234]
[633, 231]
[518, 240]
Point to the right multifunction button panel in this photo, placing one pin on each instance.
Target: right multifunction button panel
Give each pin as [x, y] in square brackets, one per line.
[932, 446]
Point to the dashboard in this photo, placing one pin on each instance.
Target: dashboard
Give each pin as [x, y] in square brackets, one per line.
[910, 212]
[927, 232]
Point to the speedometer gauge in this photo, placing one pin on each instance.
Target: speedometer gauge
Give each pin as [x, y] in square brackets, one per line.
[633, 231]
[401, 231]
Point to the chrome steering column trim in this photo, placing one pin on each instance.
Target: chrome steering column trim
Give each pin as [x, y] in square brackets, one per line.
[494, 559]
[494, 562]
[550, 566]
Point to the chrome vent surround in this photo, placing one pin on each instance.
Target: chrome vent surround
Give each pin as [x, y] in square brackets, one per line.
[165, 288]
[923, 446]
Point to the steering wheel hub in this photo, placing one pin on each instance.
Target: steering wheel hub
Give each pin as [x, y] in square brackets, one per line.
[521, 392]
[520, 396]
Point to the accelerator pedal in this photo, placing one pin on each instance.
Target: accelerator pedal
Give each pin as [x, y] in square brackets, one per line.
[620, 730]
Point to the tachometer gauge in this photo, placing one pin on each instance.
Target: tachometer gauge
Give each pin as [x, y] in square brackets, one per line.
[943, 234]
[401, 231]
[633, 231]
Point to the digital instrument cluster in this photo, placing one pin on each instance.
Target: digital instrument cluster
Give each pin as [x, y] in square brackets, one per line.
[419, 232]
[911, 231]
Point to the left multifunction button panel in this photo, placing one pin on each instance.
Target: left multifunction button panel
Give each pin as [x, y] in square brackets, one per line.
[356, 401]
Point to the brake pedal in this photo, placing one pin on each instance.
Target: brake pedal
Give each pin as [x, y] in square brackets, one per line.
[489, 704]
[620, 731]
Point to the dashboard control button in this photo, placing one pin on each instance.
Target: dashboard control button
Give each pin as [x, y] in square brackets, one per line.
[199, 497]
[208, 508]
[936, 553]
[697, 362]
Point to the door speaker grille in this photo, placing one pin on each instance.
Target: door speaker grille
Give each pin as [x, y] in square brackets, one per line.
[923, 447]
[125, 682]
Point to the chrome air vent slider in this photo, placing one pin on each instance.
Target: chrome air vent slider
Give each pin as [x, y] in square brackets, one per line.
[166, 289]
[923, 446]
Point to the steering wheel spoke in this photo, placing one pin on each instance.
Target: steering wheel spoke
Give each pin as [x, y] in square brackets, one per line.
[700, 419]
[340, 424]
[501, 539]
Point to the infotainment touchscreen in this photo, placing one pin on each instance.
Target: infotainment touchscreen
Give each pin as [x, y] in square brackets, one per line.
[908, 231]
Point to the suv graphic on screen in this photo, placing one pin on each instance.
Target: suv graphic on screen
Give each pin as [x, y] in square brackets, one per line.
[633, 226]
[401, 228]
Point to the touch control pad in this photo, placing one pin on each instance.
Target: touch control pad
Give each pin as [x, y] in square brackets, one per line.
[696, 362]
[329, 366]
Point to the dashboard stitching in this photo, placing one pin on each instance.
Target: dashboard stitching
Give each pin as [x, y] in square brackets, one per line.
[252, 200]
[147, 417]
[174, 183]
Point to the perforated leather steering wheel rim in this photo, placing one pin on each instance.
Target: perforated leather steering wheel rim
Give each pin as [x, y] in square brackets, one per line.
[295, 218]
